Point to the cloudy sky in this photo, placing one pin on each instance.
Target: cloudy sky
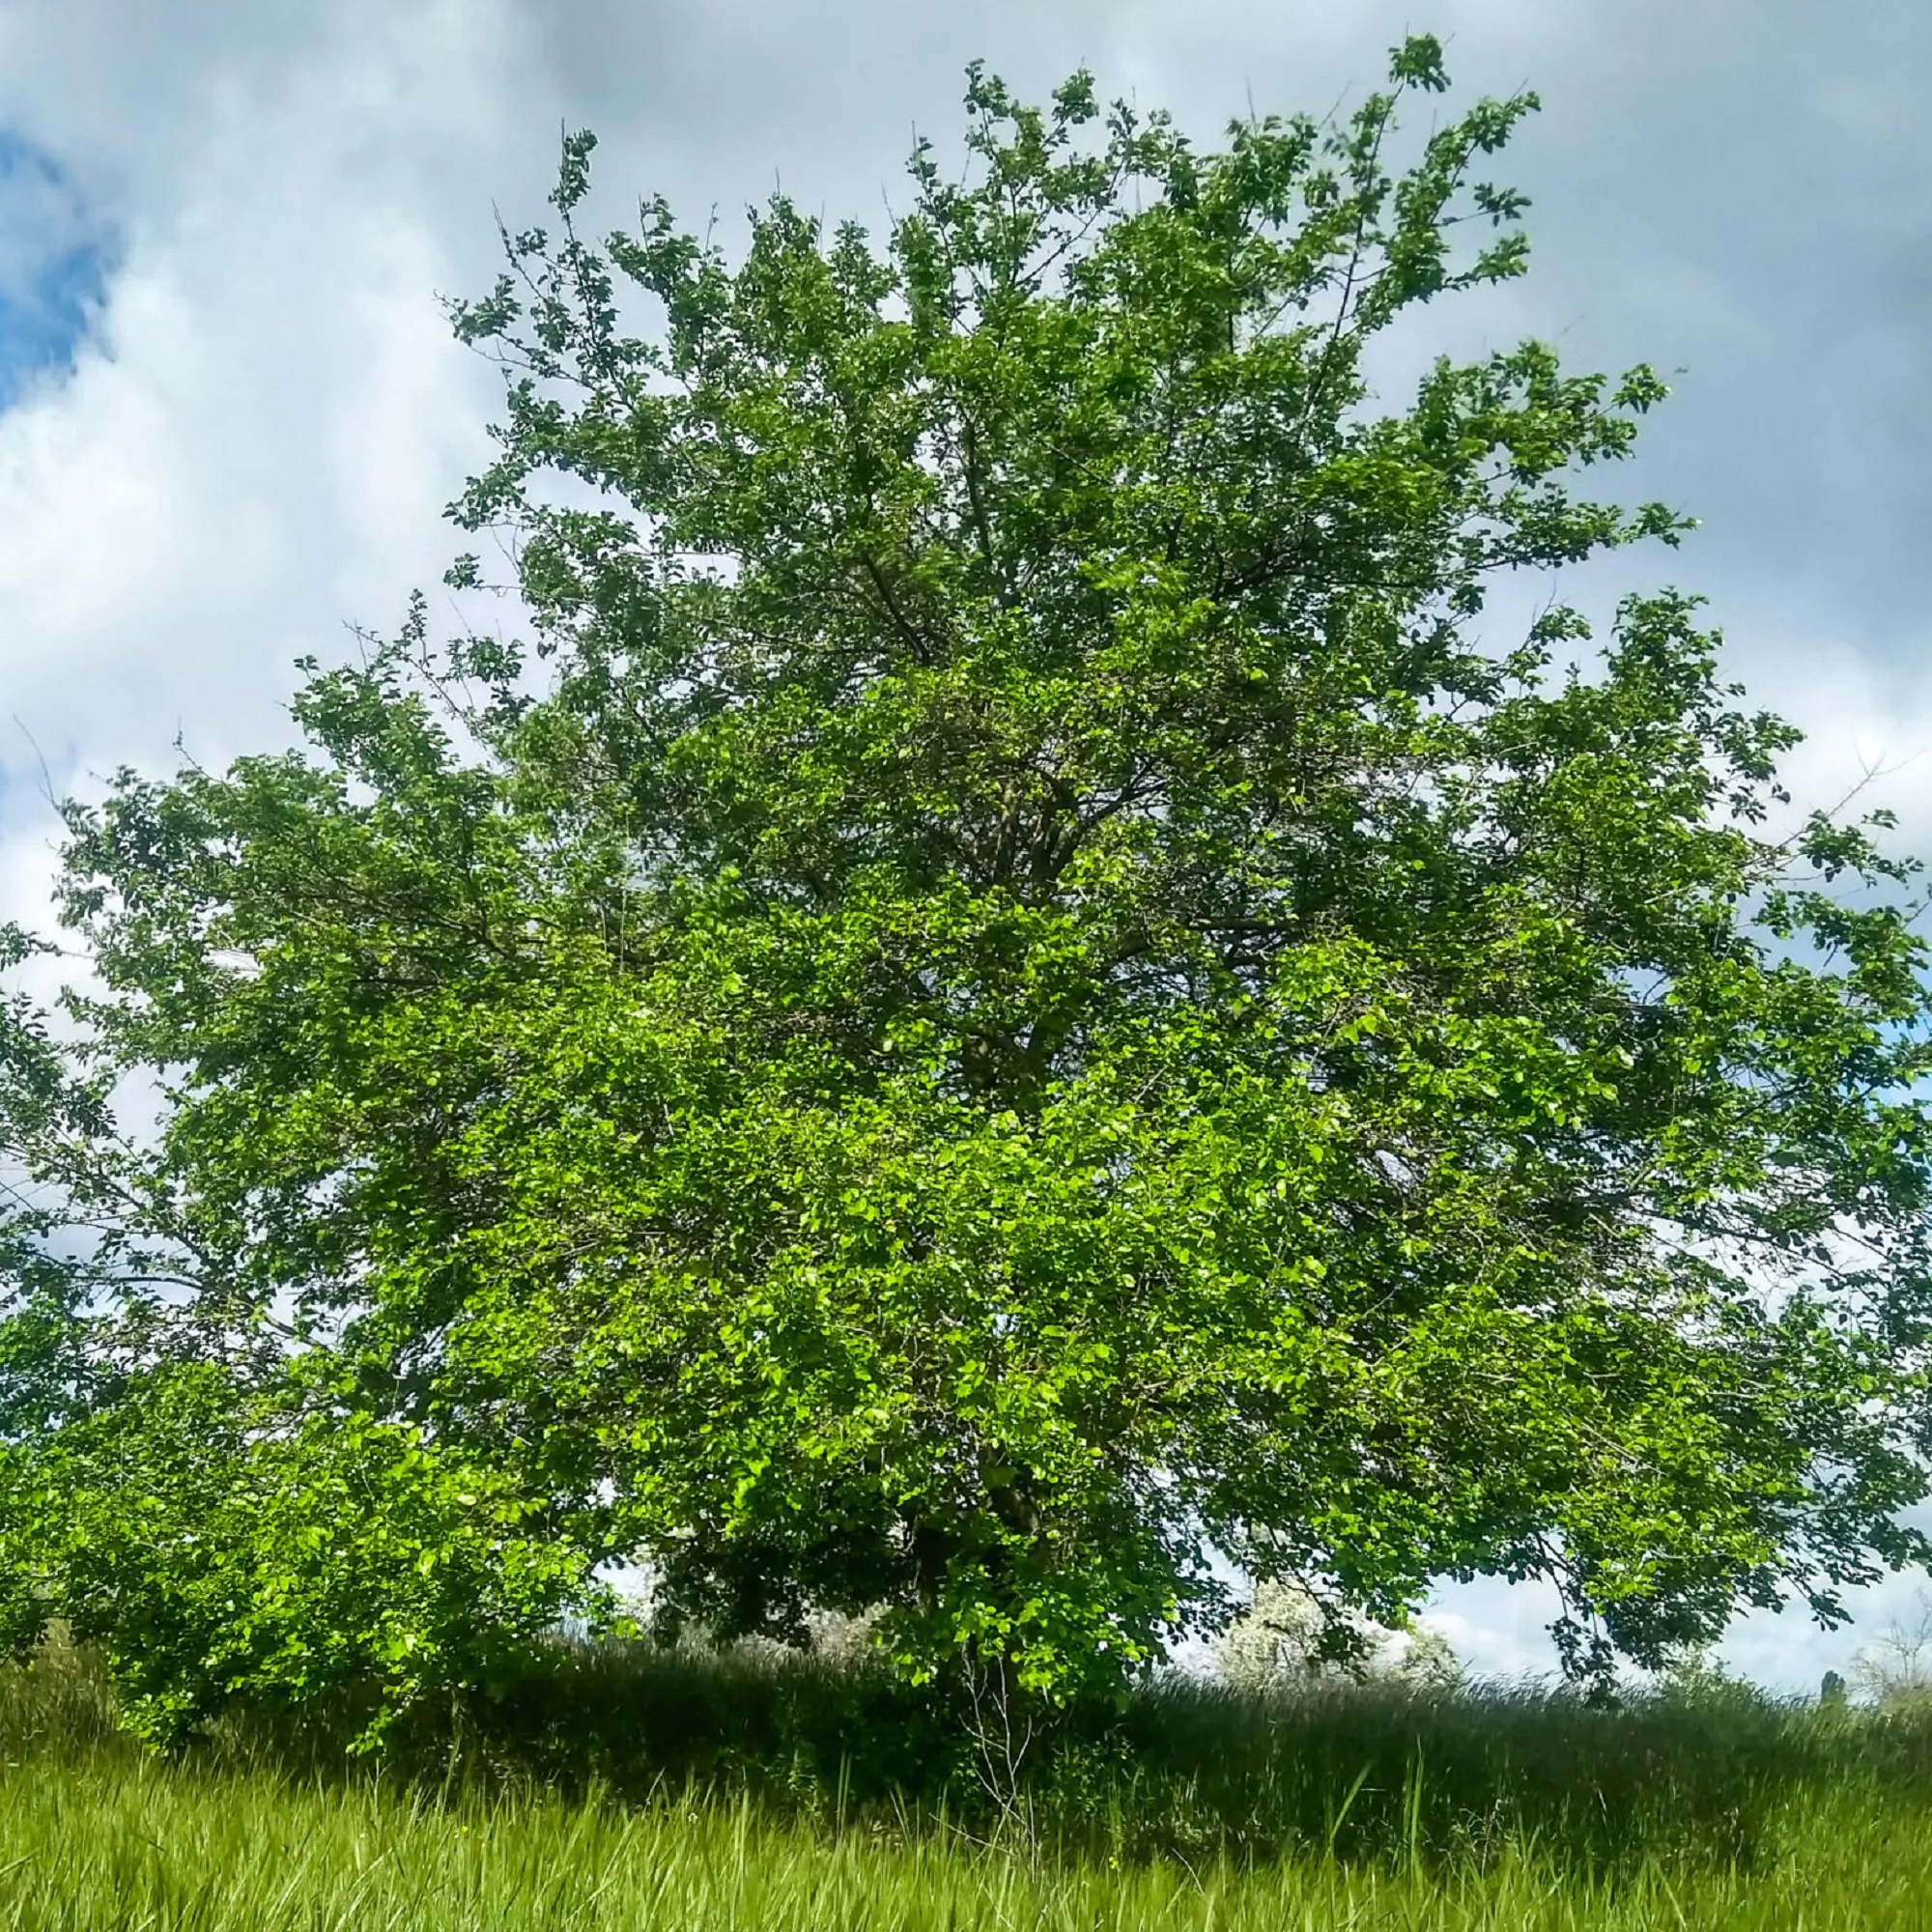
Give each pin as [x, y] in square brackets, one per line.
[230, 412]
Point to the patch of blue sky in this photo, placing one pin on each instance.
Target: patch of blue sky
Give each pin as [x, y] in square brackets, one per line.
[56, 254]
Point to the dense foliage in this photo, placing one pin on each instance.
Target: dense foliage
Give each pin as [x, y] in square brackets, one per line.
[1008, 990]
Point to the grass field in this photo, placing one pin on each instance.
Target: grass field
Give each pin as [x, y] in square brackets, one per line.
[678, 1792]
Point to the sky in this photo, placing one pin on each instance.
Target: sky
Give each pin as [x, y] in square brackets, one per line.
[231, 413]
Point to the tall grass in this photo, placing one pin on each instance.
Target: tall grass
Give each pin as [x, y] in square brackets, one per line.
[636, 1789]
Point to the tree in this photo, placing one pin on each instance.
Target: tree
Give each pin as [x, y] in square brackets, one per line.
[1006, 991]
[1696, 1676]
[1272, 1640]
[1274, 1643]
[1894, 1668]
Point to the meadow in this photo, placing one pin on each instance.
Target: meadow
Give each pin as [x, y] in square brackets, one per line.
[634, 1790]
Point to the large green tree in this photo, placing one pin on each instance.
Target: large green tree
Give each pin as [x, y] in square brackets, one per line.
[1008, 990]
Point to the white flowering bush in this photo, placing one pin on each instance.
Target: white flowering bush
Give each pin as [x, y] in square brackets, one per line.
[1272, 1646]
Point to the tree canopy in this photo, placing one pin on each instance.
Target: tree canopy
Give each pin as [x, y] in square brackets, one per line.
[1004, 988]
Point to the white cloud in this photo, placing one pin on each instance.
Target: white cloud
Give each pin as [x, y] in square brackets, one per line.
[256, 446]
[1497, 1631]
